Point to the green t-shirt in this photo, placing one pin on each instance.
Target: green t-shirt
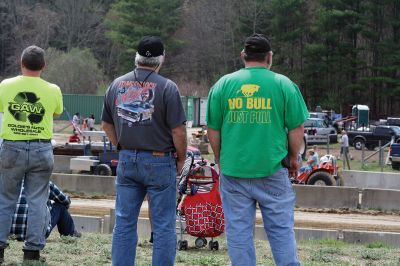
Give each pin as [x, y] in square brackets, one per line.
[28, 104]
[254, 108]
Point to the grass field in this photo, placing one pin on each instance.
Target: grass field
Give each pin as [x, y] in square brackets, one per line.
[95, 249]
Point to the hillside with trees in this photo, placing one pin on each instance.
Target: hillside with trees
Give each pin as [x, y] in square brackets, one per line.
[339, 52]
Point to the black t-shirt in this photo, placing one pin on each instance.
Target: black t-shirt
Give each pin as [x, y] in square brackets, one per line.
[144, 108]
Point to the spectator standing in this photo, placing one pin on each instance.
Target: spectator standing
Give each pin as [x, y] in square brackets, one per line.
[249, 114]
[147, 133]
[57, 204]
[76, 121]
[344, 149]
[29, 104]
[90, 122]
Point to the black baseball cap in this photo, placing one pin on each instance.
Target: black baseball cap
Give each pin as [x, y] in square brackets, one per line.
[150, 46]
[257, 43]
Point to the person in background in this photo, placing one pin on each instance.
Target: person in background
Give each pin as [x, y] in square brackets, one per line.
[144, 117]
[90, 122]
[316, 155]
[58, 204]
[76, 121]
[255, 119]
[311, 161]
[28, 103]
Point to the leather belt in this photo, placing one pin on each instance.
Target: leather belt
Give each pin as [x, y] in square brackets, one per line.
[154, 153]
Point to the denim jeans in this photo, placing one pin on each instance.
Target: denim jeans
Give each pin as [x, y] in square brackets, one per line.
[61, 218]
[140, 173]
[33, 161]
[276, 198]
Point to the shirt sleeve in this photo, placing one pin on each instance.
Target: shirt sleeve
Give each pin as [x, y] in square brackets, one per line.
[175, 113]
[60, 107]
[106, 115]
[295, 108]
[214, 114]
[58, 196]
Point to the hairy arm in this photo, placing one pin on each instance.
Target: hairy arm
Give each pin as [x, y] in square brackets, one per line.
[180, 142]
[214, 137]
[109, 129]
[296, 139]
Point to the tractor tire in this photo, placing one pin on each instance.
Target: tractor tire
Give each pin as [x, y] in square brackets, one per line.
[321, 179]
[103, 169]
[371, 147]
[333, 138]
[358, 143]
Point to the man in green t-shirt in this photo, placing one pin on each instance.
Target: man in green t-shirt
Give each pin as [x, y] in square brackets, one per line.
[255, 119]
[28, 104]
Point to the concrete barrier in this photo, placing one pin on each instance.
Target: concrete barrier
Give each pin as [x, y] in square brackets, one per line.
[89, 184]
[61, 164]
[383, 199]
[326, 197]
[365, 237]
[90, 224]
[365, 179]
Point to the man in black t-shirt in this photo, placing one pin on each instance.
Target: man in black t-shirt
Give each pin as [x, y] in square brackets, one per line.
[143, 116]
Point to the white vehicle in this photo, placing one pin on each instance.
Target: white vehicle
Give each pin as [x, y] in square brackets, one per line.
[318, 127]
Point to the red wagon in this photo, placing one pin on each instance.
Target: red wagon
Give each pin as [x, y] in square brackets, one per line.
[199, 205]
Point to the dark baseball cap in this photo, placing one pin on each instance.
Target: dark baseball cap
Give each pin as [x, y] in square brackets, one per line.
[150, 46]
[257, 43]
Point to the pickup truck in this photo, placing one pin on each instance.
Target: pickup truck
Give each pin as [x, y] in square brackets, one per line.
[371, 139]
[395, 156]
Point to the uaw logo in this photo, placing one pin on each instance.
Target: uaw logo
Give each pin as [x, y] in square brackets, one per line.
[248, 90]
[26, 107]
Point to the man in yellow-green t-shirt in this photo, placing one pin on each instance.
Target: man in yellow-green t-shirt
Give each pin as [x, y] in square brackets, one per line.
[28, 104]
[252, 115]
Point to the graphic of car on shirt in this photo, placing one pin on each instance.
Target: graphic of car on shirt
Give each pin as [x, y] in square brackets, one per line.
[136, 111]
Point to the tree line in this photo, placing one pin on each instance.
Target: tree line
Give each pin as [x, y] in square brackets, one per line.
[339, 52]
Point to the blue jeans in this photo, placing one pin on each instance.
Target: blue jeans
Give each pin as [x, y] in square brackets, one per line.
[61, 218]
[33, 161]
[140, 173]
[276, 198]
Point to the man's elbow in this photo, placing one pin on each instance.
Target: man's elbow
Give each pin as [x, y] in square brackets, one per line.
[179, 131]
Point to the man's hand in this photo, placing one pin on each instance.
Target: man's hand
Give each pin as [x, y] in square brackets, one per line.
[179, 165]
[294, 167]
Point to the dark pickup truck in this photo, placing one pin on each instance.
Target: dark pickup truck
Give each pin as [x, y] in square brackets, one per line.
[395, 156]
[371, 139]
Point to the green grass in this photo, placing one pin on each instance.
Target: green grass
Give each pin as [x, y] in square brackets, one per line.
[95, 249]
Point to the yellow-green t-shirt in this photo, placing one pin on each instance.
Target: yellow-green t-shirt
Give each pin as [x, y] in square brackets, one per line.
[28, 104]
[254, 108]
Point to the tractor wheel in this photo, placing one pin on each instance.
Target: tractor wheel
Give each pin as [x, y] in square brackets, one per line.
[358, 143]
[371, 147]
[103, 169]
[321, 179]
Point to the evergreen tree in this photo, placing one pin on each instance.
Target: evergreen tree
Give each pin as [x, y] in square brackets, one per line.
[129, 20]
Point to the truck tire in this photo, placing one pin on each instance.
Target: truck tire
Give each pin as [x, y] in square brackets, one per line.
[371, 147]
[395, 166]
[321, 179]
[333, 137]
[358, 143]
[103, 169]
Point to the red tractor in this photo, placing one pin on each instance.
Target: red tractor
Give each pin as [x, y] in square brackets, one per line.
[325, 174]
